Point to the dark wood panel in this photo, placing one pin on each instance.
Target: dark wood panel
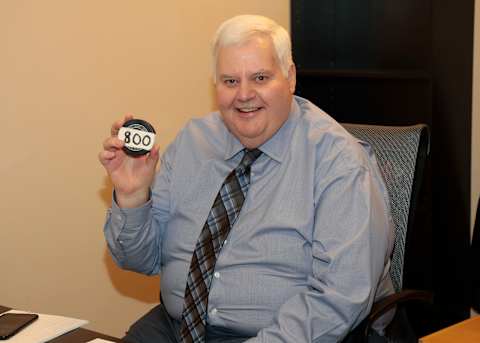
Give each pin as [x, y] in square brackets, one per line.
[383, 34]
[403, 62]
[370, 100]
[452, 48]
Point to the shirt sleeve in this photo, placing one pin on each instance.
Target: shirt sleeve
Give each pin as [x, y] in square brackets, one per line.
[350, 250]
[134, 235]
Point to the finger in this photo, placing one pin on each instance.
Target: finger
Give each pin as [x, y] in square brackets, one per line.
[119, 123]
[106, 156]
[113, 144]
[116, 126]
[155, 150]
[153, 156]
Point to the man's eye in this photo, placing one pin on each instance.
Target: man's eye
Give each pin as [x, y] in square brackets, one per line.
[230, 82]
[261, 78]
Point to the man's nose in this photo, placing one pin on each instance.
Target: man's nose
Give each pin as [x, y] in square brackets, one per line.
[246, 91]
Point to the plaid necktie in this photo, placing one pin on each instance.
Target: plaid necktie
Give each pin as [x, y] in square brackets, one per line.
[222, 216]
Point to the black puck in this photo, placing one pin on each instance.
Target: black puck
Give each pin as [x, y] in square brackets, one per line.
[137, 143]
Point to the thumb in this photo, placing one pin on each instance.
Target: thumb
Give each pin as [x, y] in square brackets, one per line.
[153, 156]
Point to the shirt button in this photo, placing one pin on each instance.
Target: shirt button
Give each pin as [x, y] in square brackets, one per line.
[216, 275]
[213, 312]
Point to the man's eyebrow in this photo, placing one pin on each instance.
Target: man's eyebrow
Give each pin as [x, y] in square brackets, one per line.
[262, 72]
[256, 73]
[225, 76]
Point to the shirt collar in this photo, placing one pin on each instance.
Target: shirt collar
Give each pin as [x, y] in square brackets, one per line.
[233, 146]
[276, 147]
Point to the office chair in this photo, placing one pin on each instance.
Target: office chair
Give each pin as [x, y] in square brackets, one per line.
[401, 152]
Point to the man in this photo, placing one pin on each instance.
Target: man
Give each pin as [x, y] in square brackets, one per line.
[306, 251]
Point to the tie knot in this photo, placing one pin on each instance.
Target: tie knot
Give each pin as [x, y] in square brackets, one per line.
[249, 157]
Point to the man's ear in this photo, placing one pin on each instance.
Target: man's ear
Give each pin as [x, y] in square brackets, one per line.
[292, 77]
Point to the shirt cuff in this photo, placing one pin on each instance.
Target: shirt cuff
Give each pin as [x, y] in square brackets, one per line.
[130, 218]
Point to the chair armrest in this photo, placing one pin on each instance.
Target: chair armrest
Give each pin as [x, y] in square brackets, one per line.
[384, 305]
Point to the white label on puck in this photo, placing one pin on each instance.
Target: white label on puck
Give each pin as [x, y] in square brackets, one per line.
[136, 139]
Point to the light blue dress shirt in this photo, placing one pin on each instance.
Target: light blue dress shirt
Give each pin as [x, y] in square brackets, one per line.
[310, 250]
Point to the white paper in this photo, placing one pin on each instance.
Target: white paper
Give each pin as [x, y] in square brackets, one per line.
[99, 340]
[45, 328]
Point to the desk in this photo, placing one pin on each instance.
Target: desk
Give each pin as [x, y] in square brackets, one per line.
[467, 331]
[79, 335]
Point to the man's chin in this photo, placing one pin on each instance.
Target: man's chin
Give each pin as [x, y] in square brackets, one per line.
[250, 140]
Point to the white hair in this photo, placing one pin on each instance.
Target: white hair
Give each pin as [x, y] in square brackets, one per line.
[239, 29]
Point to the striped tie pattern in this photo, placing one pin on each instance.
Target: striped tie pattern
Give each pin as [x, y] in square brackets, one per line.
[222, 216]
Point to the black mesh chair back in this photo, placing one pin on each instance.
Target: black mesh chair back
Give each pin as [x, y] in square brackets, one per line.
[401, 152]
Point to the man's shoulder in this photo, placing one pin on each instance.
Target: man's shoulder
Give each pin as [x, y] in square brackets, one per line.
[315, 120]
[209, 122]
[331, 141]
[319, 127]
[200, 138]
[209, 128]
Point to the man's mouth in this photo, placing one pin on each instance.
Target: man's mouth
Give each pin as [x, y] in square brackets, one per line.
[248, 109]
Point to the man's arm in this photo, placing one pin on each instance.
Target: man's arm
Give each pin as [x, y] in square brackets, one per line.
[134, 235]
[351, 246]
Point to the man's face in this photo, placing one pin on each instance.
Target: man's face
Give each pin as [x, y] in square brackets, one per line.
[253, 95]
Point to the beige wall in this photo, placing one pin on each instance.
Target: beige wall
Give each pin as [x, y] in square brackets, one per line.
[67, 70]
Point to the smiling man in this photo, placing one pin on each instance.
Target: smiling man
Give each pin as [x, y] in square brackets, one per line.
[267, 221]
[254, 96]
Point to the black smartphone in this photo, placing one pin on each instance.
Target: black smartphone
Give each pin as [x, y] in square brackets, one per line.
[11, 323]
